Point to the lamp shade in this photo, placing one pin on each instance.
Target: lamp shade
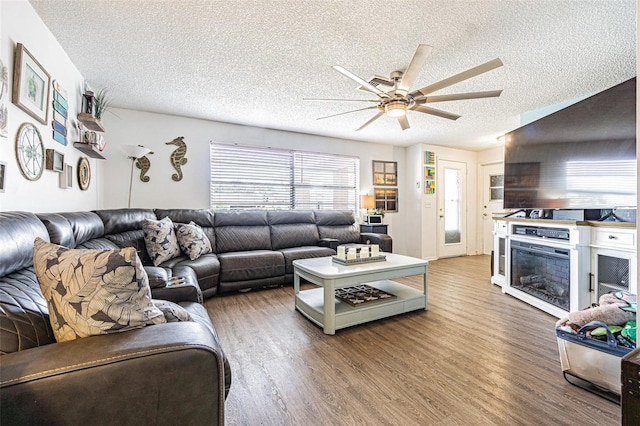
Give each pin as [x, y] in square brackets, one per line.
[367, 201]
[135, 151]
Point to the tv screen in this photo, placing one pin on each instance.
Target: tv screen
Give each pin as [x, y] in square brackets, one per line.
[581, 157]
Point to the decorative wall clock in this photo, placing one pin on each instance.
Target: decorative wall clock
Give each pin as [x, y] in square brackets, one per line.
[84, 173]
[30, 151]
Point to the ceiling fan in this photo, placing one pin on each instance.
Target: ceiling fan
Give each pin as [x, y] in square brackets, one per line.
[397, 99]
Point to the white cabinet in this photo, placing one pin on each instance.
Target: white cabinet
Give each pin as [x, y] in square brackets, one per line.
[499, 275]
[613, 260]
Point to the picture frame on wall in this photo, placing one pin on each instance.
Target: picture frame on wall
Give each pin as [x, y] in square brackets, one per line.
[55, 161]
[385, 173]
[66, 177]
[31, 85]
[3, 176]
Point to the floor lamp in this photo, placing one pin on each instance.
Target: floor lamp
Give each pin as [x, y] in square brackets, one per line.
[133, 152]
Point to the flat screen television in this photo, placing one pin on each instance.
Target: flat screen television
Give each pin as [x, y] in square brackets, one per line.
[581, 157]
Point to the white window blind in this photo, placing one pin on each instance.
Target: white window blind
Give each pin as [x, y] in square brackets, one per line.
[264, 178]
[325, 182]
[249, 178]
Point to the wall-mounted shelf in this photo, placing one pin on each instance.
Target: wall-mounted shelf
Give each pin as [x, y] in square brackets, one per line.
[89, 149]
[90, 122]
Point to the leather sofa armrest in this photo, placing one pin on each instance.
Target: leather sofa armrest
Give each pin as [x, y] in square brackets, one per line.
[158, 277]
[332, 243]
[170, 373]
[383, 240]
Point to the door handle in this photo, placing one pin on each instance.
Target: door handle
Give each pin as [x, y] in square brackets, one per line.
[484, 214]
[441, 216]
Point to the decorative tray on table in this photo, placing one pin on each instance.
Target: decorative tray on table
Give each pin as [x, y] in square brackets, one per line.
[358, 260]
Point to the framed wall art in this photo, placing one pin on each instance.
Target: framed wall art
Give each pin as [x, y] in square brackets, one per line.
[31, 83]
[385, 173]
[84, 173]
[3, 176]
[66, 177]
[386, 199]
[55, 161]
[30, 151]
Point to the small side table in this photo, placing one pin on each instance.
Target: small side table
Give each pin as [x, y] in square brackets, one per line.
[375, 229]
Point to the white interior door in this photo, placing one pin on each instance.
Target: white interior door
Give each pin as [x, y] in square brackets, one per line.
[452, 217]
[492, 198]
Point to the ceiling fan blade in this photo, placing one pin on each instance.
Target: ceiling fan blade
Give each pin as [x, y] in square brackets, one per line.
[374, 118]
[347, 112]
[465, 75]
[410, 74]
[437, 112]
[459, 96]
[404, 122]
[365, 84]
[342, 100]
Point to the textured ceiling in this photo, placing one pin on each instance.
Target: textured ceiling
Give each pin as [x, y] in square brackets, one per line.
[253, 61]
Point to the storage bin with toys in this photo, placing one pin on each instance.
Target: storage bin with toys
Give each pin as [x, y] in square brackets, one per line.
[592, 342]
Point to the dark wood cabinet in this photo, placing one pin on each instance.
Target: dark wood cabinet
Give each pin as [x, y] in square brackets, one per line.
[630, 395]
[375, 228]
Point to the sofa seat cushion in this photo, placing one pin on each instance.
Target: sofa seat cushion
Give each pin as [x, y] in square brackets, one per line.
[295, 253]
[24, 315]
[92, 292]
[206, 268]
[250, 265]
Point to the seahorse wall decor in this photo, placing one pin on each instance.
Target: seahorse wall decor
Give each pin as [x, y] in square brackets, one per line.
[144, 164]
[177, 157]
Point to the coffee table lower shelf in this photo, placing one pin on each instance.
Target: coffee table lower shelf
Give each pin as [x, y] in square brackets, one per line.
[311, 304]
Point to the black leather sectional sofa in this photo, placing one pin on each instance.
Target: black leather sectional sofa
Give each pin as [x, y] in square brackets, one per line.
[173, 373]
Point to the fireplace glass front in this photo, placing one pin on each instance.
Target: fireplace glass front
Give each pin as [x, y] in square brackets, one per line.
[541, 271]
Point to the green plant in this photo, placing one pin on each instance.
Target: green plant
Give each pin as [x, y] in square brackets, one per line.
[102, 103]
[375, 212]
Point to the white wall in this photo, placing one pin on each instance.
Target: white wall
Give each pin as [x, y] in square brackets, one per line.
[19, 23]
[154, 130]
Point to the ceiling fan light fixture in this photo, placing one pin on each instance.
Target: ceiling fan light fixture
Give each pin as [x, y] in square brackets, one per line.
[395, 109]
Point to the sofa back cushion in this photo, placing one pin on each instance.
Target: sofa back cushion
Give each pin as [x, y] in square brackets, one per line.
[85, 225]
[18, 230]
[123, 227]
[59, 229]
[24, 319]
[201, 217]
[339, 225]
[241, 230]
[292, 228]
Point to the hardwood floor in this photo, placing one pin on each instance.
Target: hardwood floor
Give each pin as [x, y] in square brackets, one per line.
[476, 357]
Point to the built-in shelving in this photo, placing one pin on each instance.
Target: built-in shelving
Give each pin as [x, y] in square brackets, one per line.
[90, 122]
[89, 149]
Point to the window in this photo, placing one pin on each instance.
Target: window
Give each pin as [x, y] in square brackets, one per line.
[265, 178]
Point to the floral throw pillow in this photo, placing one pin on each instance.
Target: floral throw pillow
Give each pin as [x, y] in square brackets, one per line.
[172, 311]
[160, 239]
[92, 292]
[192, 240]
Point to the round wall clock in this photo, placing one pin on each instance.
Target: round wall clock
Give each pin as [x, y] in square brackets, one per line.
[84, 173]
[30, 151]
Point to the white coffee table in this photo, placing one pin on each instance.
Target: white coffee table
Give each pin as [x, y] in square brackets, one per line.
[321, 306]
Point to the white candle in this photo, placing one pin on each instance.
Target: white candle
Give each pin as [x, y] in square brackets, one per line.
[375, 250]
[364, 252]
[351, 254]
[341, 252]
